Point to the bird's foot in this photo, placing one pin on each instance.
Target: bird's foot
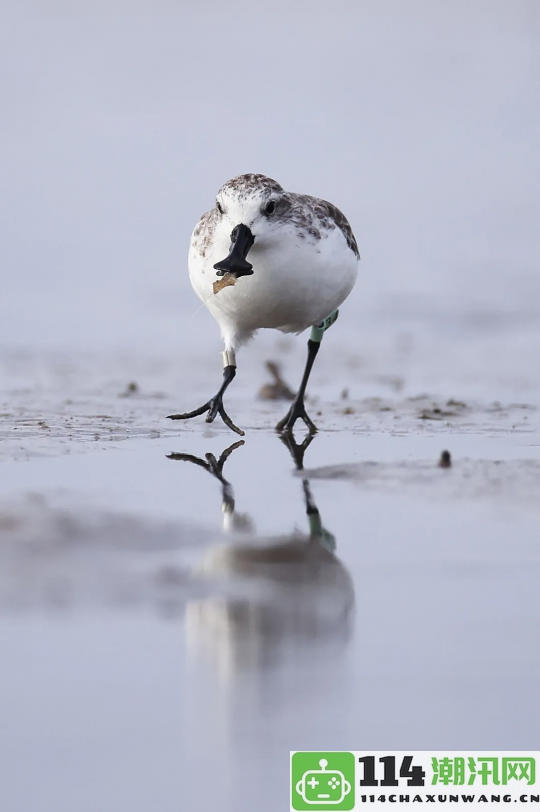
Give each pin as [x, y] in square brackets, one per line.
[297, 450]
[297, 411]
[214, 467]
[214, 406]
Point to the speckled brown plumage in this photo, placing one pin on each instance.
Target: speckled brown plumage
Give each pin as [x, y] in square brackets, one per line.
[311, 217]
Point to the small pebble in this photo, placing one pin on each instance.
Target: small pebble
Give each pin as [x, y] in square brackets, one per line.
[445, 460]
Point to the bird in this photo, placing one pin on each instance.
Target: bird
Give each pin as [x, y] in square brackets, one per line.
[304, 595]
[265, 258]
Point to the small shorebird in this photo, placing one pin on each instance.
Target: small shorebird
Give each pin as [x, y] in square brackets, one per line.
[303, 265]
[277, 595]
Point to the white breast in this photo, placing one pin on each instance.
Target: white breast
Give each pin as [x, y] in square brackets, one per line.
[295, 283]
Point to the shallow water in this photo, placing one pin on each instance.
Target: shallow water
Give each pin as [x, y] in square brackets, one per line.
[140, 640]
[154, 632]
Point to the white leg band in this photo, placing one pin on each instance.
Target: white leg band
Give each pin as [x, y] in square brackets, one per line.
[229, 358]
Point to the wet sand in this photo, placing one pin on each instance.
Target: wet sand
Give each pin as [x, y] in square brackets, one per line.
[148, 616]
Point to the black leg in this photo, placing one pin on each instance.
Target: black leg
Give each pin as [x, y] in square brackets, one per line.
[214, 406]
[214, 467]
[317, 532]
[297, 450]
[298, 409]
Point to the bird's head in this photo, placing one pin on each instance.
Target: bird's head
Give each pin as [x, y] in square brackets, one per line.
[249, 207]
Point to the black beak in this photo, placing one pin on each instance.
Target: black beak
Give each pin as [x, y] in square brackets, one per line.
[236, 264]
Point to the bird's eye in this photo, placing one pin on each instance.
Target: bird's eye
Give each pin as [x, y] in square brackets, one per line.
[219, 207]
[270, 207]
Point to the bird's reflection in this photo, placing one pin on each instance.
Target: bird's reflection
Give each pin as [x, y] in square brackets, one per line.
[280, 597]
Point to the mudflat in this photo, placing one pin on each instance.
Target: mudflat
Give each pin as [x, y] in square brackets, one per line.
[147, 608]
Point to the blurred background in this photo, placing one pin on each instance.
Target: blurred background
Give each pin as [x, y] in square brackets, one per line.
[421, 120]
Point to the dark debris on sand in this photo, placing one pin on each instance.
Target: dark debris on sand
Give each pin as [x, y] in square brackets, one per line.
[445, 460]
[278, 390]
[130, 390]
